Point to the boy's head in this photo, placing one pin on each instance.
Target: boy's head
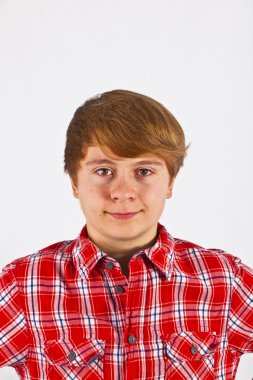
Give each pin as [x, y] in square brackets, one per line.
[126, 128]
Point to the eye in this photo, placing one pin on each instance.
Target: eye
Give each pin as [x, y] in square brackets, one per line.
[144, 169]
[103, 170]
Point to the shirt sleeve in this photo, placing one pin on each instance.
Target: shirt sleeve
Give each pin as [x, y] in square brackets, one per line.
[13, 330]
[240, 321]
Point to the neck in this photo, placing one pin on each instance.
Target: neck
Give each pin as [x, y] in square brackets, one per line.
[117, 249]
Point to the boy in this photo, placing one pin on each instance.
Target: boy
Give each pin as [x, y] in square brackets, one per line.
[125, 300]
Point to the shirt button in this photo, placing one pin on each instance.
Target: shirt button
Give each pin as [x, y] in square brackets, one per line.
[109, 265]
[119, 289]
[71, 355]
[194, 350]
[131, 339]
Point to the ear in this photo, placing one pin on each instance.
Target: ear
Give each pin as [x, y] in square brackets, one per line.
[74, 189]
[170, 188]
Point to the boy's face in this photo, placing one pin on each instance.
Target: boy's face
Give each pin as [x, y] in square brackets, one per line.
[122, 186]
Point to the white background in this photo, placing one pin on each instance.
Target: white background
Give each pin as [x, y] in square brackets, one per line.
[194, 56]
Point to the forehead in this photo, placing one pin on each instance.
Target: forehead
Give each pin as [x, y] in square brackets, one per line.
[95, 156]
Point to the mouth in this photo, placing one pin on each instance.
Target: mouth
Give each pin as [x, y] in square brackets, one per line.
[123, 215]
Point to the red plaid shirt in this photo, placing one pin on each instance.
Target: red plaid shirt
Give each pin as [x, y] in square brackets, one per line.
[68, 312]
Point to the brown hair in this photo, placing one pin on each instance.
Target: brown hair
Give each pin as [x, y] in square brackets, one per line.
[130, 125]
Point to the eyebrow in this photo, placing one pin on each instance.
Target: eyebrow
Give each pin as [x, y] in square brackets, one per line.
[106, 161]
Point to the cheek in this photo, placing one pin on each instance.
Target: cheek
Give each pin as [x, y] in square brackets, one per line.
[156, 192]
[91, 198]
[96, 188]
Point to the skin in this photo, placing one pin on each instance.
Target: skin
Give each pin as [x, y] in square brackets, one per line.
[122, 187]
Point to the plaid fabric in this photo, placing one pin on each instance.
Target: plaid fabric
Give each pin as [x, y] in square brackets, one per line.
[68, 312]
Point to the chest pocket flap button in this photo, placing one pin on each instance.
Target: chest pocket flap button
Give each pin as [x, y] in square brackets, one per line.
[190, 345]
[68, 352]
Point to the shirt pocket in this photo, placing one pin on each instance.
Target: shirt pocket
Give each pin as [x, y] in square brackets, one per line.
[190, 355]
[75, 360]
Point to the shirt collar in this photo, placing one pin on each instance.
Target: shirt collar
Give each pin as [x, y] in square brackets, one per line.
[86, 254]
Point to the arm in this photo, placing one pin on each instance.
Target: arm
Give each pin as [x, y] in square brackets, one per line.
[13, 330]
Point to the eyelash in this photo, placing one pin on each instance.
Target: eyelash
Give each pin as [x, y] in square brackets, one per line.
[137, 169]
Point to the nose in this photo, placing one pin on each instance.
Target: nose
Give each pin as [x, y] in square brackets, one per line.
[123, 188]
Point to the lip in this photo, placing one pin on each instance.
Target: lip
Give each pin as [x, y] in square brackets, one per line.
[123, 216]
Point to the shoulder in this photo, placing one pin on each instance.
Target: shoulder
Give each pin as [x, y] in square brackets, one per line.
[48, 254]
[195, 259]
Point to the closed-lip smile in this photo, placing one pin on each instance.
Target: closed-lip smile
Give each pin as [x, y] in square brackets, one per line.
[123, 215]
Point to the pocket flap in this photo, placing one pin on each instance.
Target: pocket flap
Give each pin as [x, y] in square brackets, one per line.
[190, 345]
[67, 352]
